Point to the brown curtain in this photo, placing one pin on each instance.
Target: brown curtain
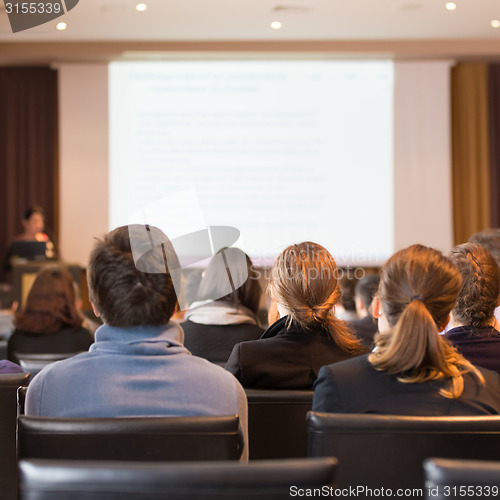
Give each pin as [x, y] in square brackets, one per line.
[470, 149]
[494, 116]
[28, 149]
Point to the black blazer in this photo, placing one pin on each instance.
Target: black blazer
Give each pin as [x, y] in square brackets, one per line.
[66, 340]
[365, 329]
[354, 386]
[215, 342]
[284, 358]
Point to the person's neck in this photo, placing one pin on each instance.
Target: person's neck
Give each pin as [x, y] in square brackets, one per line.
[456, 324]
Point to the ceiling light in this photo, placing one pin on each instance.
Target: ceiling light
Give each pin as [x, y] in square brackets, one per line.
[275, 25]
[451, 5]
[61, 26]
[495, 23]
[141, 7]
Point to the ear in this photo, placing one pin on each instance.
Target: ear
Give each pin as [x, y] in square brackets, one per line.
[94, 308]
[376, 307]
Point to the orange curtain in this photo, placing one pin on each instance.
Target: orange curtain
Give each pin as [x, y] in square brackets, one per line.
[470, 149]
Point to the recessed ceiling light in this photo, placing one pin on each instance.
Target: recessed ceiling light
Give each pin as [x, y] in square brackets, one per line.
[276, 25]
[61, 26]
[495, 23]
[451, 5]
[141, 7]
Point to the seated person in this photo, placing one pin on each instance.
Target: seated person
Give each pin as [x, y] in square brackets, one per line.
[413, 370]
[489, 239]
[473, 328]
[50, 322]
[8, 307]
[218, 320]
[7, 367]
[137, 365]
[307, 336]
[365, 327]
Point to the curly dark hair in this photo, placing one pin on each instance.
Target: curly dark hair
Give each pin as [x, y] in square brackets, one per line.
[478, 297]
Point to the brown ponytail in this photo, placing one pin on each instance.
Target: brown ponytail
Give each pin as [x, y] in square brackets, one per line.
[304, 280]
[418, 289]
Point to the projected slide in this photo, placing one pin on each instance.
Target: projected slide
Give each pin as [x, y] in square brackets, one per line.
[285, 151]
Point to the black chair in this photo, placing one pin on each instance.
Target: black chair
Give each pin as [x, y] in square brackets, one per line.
[277, 423]
[446, 478]
[266, 480]
[388, 451]
[8, 412]
[33, 363]
[135, 438]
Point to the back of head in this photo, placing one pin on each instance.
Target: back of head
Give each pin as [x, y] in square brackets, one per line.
[304, 280]
[366, 288]
[480, 290]
[489, 239]
[51, 302]
[229, 268]
[124, 295]
[418, 288]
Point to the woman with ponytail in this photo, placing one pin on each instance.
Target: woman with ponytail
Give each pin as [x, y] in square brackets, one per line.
[413, 370]
[304, 289]
[473, 328]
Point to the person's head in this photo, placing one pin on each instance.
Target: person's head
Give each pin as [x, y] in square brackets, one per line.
[480, 290]
[366, 288]
[418, 289]
[129, 292]
[226, 269]
[6, 296]
[347, 284]
[50, 304]
[305, 285]
[489, 239]
[33, 221]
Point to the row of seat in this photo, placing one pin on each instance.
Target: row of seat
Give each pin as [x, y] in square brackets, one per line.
[264, 480]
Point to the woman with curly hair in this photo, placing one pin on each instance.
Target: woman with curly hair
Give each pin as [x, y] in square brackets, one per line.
[304, 288]
[50, 322]
[413, 369]
[474, 331]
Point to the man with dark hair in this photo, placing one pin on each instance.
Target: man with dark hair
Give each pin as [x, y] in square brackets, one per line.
[365, 327]
[138, 365]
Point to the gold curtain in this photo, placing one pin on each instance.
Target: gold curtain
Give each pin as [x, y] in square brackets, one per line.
[470, 149]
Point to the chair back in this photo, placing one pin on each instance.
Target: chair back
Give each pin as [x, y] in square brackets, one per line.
[33, 363]
[132, 438]
[447, 478]
[388, 450]
[277, 423]
[8, 412]
[263, 480]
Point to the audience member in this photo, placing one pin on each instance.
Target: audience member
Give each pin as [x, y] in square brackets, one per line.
[7, 367]
[413, 370]
[137, 365]
[307, 336]
[50, 322]
[218, 320]
[366, 326]
[8, 307]
[346, 308]
[473, 328]
[489, 239]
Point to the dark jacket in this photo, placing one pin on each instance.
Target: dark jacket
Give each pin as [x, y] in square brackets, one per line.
[215, 342]
[354, 386]
[65, 341]
[284, 358]
[481, 346]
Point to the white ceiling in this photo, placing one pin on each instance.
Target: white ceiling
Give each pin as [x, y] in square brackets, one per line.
[354, 26]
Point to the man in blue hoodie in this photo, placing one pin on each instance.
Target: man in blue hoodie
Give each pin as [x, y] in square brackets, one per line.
[138, 365]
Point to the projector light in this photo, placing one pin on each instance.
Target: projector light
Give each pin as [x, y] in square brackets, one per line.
[495, 23]
[61, 26]
[141, 7]
[275, 25]
[451, 6]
